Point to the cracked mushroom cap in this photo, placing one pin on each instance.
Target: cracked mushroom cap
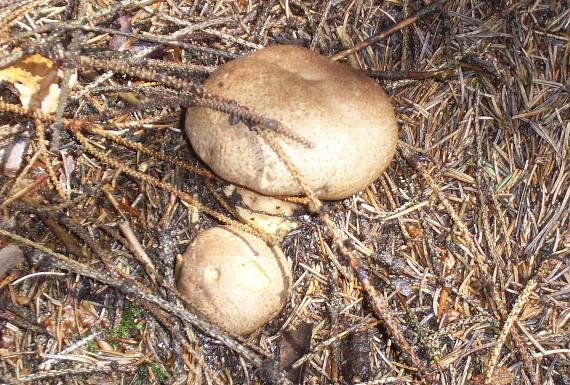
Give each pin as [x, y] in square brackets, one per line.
[345, 114]
[234, 279]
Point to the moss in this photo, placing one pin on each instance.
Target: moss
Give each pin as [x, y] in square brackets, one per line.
[91, 346]
[159, 371]
[130, 322]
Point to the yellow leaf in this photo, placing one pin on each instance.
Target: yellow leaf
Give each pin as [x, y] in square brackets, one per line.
[36, 79]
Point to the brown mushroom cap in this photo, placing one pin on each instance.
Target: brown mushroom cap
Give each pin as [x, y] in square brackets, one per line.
[345, 114]
[234, 279]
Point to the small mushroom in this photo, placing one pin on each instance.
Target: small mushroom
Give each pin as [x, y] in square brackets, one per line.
[346, 115]
[234, 279]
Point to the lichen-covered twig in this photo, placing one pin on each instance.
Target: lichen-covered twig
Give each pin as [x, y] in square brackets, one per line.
[89, 148]
[97, 130]
[507, 327]
[77, 126]
[199, 96]
[44, 156]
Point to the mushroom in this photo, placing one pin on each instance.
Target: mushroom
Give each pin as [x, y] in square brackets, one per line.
[233, 279]
[345, 115]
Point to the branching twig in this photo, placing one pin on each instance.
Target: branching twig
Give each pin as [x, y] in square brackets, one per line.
[76, 126]
[433, 7]
[199, 96]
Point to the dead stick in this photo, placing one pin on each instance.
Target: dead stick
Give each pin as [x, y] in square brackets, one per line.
[138, 250]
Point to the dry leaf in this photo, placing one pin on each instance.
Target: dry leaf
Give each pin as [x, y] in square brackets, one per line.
[294, 345]
[36, 80]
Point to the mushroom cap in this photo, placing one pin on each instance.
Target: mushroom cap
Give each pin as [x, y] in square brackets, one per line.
[234, 279]
[345, 114]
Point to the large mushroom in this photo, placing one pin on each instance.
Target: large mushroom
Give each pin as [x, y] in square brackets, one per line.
[234, 279]
[345, 114]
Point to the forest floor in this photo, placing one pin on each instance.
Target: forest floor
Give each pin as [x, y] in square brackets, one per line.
[463, 243]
